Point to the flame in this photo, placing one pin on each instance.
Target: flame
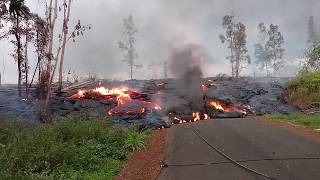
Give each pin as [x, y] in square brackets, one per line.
[157, 107]
[121, 94]
[105, 91]
[196, 116]
[122, 97]
[216, 105]
[81, 93]
[206, 116]
[204, 87]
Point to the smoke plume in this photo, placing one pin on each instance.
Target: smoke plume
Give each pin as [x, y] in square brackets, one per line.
[186, 65]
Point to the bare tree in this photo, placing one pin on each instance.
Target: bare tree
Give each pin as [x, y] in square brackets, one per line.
[66, 16]
[40, 42]
[62, 40]
[127, 46]
[235, 35]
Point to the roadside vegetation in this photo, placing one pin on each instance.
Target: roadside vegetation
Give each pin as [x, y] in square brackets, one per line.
[305, 89]
[312, 121]
[77, 147]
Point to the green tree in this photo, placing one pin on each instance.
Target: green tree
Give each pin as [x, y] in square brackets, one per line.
[313, 59]
[18, 11]
[235, 37]
[268, 51]
[274, 48]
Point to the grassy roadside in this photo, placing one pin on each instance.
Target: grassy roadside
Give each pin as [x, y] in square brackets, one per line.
[305, 89]
[77, 147]
[299, 119]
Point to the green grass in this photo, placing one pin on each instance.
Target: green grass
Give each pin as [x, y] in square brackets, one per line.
[312, 121]
[305, 89]
[77, 147]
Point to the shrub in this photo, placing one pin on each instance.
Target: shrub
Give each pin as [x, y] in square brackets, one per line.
[305, 89]
[135, 140]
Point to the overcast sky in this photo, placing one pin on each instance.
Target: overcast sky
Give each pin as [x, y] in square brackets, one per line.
[163, 22]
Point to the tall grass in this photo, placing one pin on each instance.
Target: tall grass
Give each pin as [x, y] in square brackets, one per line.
[74, 148]
[312, 121]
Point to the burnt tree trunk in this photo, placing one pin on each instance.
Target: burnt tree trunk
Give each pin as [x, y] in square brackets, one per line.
[19, 55]
[65, 34]
[26, 66]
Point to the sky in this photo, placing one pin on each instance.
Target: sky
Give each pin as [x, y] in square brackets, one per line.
[162, 23]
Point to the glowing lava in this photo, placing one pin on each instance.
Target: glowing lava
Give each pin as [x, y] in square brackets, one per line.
[216, 105]
[196, 116]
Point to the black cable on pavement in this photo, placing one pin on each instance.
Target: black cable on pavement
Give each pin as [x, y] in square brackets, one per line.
[249, 160]
[229, 158]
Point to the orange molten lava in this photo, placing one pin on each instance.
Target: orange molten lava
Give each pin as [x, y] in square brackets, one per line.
[157, 107]
[196, 116]
[122, 97]
[106, 91]
[81, 93]
[216, 105]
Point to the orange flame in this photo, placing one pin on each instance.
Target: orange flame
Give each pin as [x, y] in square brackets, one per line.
[206, 116]
[216, 105]
[122, 97]
[196, 116]
[81, 93]
[157, 107]
[106, 91]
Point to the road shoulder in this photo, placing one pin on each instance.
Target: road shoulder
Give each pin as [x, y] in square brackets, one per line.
[146, 163]
[299, 129]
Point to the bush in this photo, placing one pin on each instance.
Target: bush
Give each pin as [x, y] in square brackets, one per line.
[305, 89]
[135, 140]
[75, 148]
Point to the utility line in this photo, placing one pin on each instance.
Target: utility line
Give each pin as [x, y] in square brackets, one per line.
[249, 160]
[229, 158]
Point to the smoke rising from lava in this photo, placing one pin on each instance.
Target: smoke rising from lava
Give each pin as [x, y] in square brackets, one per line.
[186, 65]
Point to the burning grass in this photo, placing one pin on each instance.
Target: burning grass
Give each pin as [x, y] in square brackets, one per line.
[77, 147]
[312, 121]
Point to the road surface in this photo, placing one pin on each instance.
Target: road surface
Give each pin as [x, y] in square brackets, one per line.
[265, 148]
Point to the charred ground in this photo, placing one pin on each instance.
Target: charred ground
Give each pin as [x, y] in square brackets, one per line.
[237, 98]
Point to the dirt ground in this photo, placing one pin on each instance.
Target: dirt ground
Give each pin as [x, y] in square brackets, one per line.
[146, 163]
[302, 130]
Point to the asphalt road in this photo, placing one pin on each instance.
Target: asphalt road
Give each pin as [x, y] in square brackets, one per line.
[268, 149]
